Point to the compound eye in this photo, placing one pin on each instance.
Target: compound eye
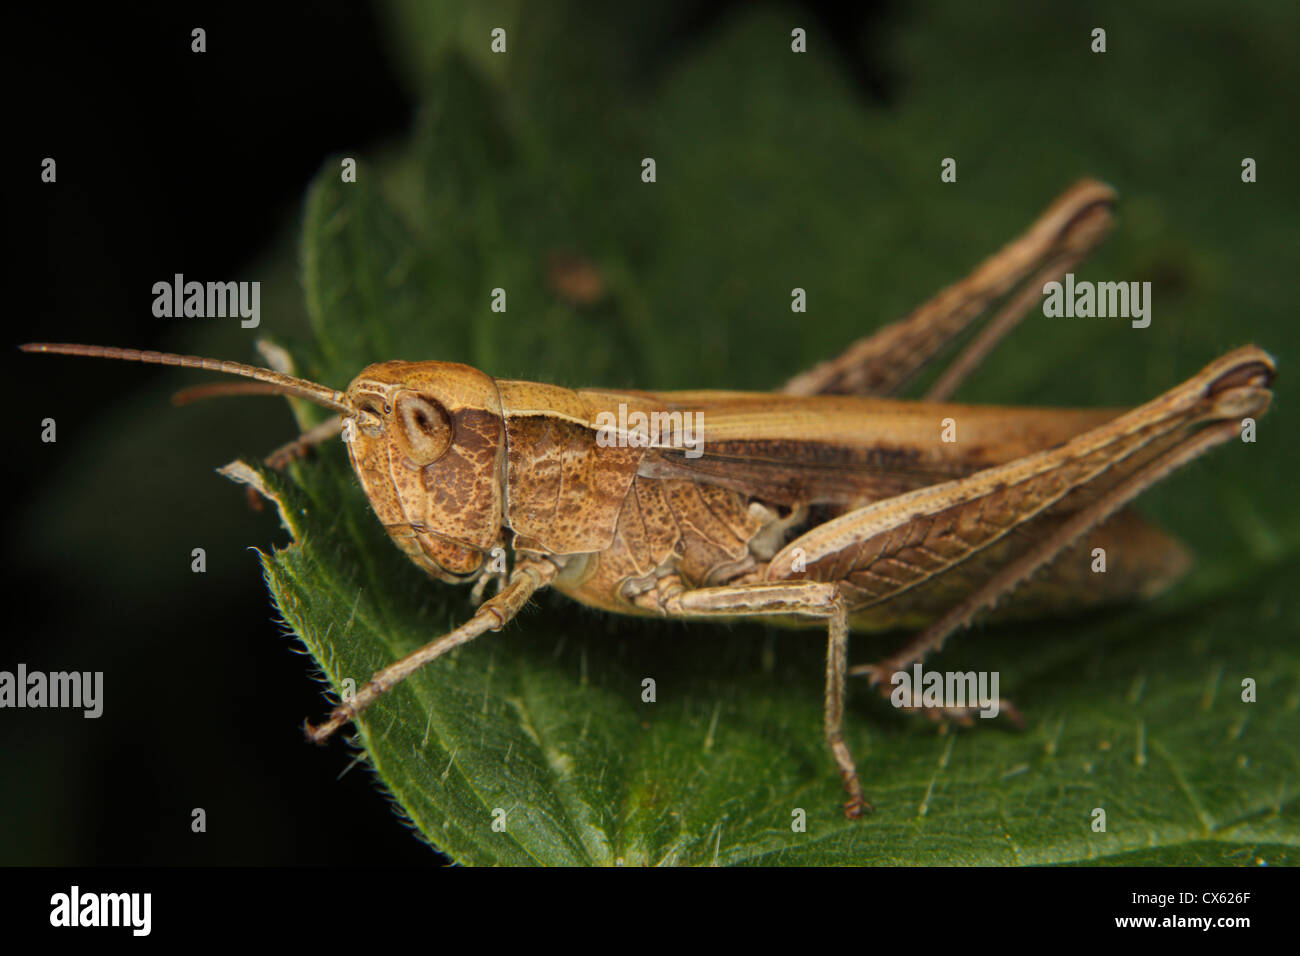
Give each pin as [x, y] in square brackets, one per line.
[424, 428]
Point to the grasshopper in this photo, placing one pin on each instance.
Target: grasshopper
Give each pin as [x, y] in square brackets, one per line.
[827, 503]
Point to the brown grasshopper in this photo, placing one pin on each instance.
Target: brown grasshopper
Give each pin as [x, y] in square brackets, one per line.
[825, 503]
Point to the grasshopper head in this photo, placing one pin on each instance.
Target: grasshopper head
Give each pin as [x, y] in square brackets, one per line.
[426, 442]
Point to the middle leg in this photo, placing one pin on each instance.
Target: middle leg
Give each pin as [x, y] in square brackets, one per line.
[814, 599]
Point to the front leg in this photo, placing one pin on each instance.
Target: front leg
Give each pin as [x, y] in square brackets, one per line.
[529, 577]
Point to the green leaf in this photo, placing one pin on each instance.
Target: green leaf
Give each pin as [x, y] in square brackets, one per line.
[780, 177]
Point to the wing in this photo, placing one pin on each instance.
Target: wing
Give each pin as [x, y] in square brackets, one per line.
[840, 450]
